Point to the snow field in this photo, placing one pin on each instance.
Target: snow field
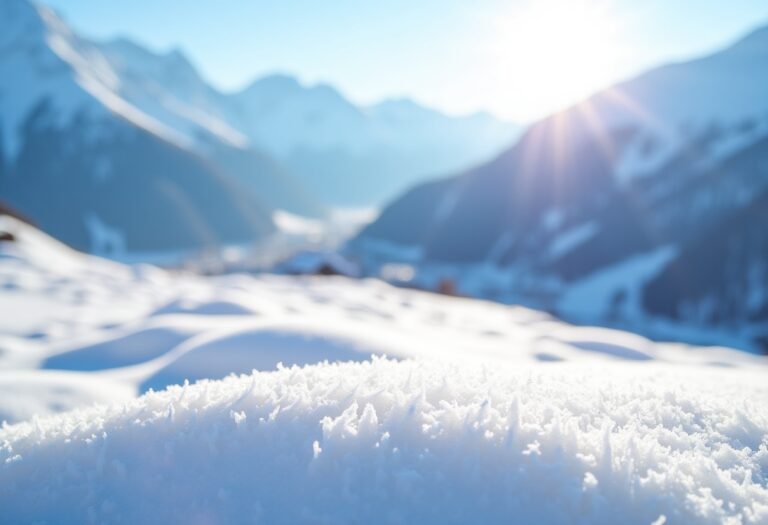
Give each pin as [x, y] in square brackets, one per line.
[481, 413]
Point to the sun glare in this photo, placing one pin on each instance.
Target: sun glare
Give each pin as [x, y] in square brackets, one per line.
[556, 52]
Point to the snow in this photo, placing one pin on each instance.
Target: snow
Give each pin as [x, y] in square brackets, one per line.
[649, 151]
[645, 154]
[479, 413]
[570, 239]
[390, 251]
[48, 392]
[673, 107]
[106, 240]
[404, 442]
[552, 219]
[168, 88]
[738, 138]
[24, 87]
[397, 273]
[592, 296]
[285, 116]
[43, 61]
[294, 224]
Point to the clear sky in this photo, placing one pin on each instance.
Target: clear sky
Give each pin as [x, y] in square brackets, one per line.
[518, 59]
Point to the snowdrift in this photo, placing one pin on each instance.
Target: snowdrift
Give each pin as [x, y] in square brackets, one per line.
[405, 442]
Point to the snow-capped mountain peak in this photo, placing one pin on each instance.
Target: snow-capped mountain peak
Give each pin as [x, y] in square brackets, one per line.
[275, 84]
[173, 66]
[82, 138]
[284, 115]
[169, 88]
[45, 63]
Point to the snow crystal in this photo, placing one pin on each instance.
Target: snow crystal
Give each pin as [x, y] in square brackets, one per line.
[405, 442]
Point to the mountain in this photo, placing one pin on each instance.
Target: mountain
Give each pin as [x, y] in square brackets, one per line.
[327, 150]
[89, 158]
[122, 150]
[598, 209]
[168, 87]
[282, 115]
[349, 155]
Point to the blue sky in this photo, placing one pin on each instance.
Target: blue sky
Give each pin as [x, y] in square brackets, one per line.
[519, 59]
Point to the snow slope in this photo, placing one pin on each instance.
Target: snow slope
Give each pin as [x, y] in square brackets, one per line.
[65, 312]
[479, 413]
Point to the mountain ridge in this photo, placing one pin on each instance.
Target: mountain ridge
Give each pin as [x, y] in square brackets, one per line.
[646, 167]
[88, 165]
[331, 152]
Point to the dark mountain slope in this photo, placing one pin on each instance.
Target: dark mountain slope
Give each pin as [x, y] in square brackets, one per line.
[637, 172]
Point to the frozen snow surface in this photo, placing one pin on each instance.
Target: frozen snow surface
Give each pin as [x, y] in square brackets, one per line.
[405, 442]
[480, 413]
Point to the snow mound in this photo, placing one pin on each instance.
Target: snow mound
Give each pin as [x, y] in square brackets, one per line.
[49, 392]
[138, 327]
[262, 346]
[405, 442]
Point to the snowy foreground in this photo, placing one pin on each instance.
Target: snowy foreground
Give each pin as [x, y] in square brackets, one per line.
[481, 413]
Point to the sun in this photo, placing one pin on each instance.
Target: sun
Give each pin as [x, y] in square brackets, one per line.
[554, 53]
